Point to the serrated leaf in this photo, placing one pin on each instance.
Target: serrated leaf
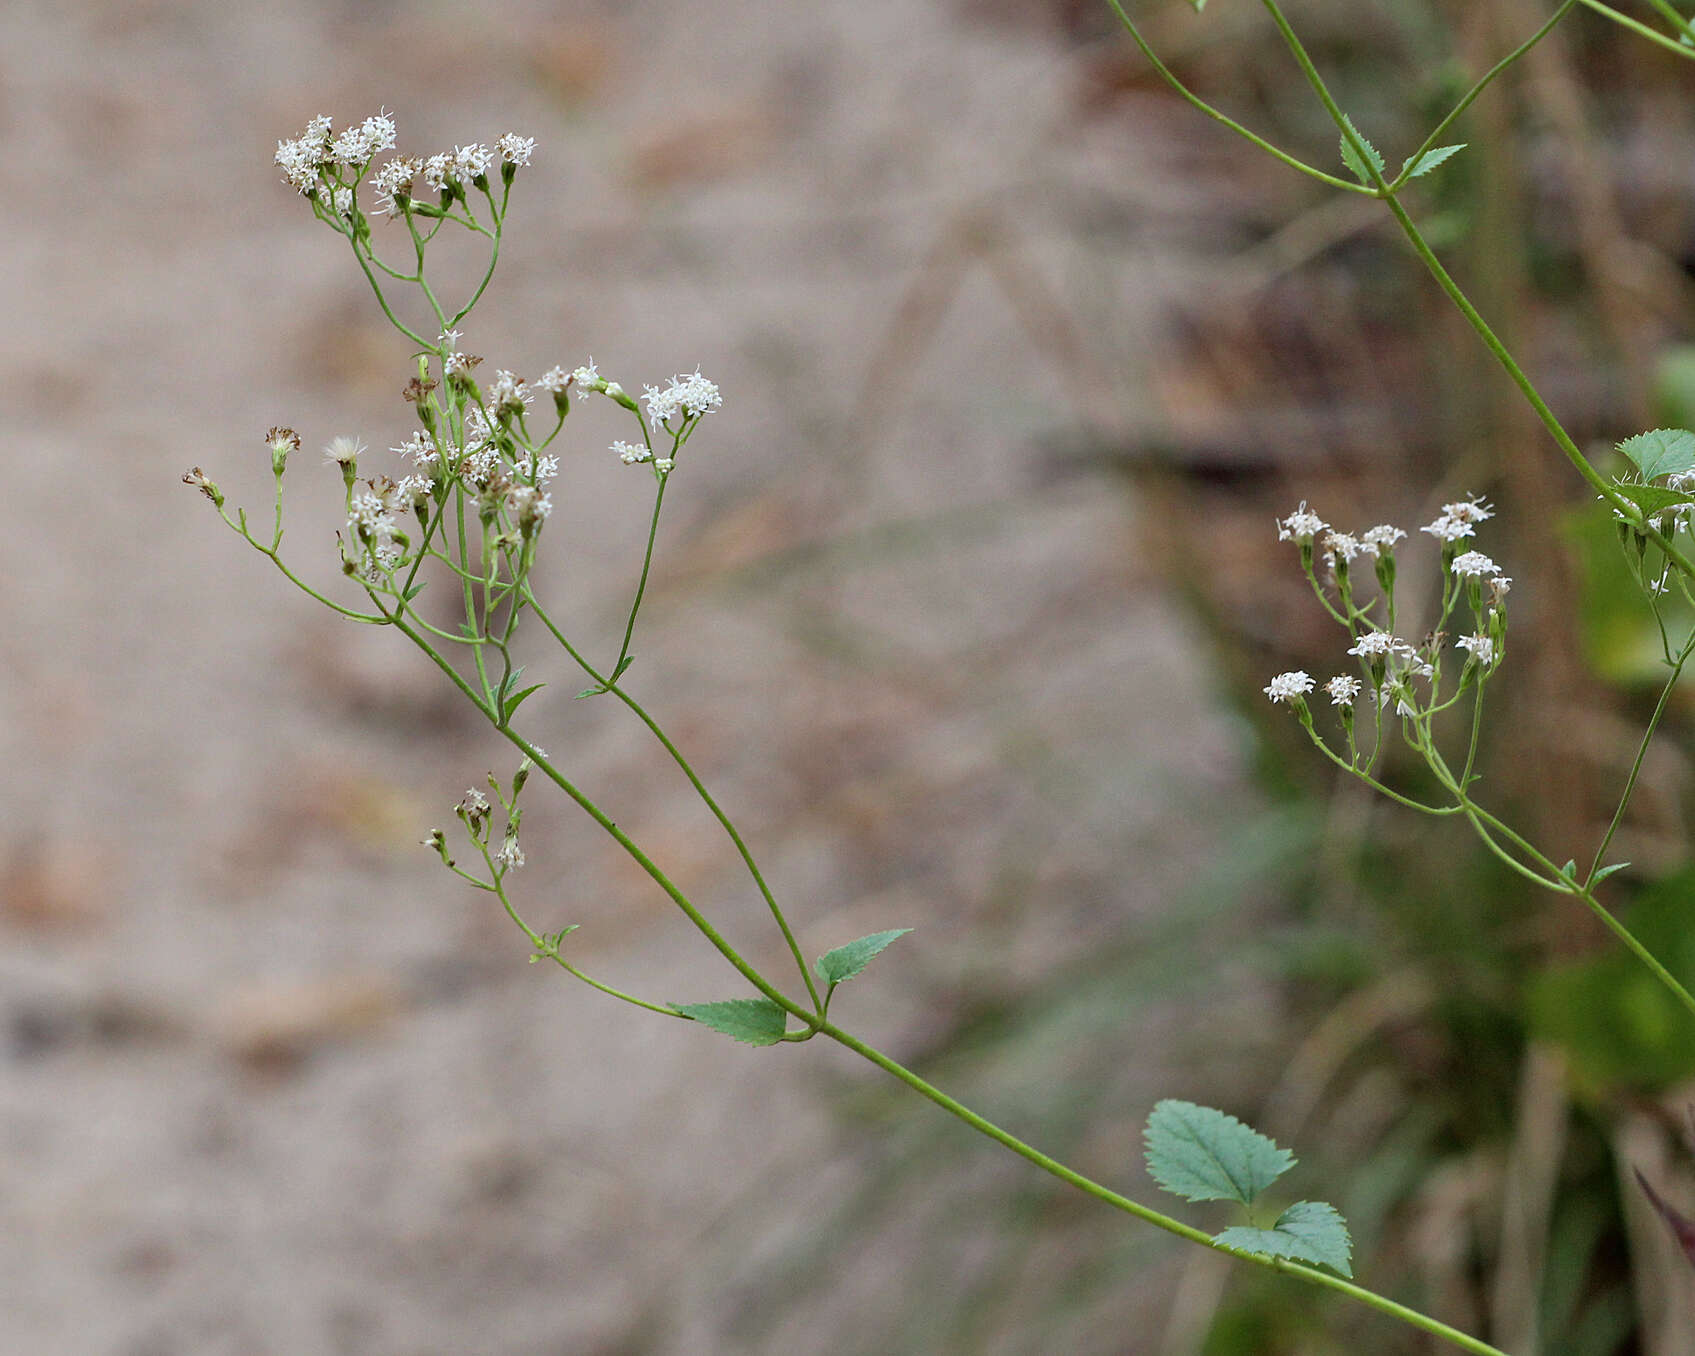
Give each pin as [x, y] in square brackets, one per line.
[1653, 499]
[1661, 451]
[1351, 157]
[847, 961]
[1204, 1155]
[1423, 164]
[752, 1021]
[1308, 1231]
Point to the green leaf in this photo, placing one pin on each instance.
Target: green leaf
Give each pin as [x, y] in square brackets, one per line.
[1660, 452]
[1351, 158]
[752, 1021]
[1653, 499]
[1308, 1231]
[623, 664]
[415, 590]
[1569, 870]
[588, 692]
[847, 961]
[1199, 5]
[513, 703]
[1606, 871]
[1429, 160]
[1204, 1155]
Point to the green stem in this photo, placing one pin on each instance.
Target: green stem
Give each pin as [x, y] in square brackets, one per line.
[1667, 11]
[1635, 947]
[1473, 317]
[1488, 78]
[1107, 1196]
[1640, 29]
[594, 812]
[1213, 113]
[699, 786]
[1636, 766]
[641, 585]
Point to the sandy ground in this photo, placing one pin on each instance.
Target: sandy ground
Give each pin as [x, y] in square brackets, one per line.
[273, 1081]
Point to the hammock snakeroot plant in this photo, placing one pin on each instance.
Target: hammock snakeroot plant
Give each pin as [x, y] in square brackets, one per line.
[463, 502]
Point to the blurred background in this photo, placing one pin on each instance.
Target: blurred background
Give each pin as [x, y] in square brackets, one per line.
[962, 606]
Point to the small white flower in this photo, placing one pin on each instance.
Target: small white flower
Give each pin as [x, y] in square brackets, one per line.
[1343, 690]
[692, 396]
[394, 181]
[697, 395]
[1475, 563]
[664, 465]
[510, 854]
[1300, 526]
[1449, 528]
[661, 405]
[553, 380]
[437, 170]
[588, 378]
[1472, 510]
[414, 489]
[1381, 538]
[1479, 647]
[514, 149]
[630, 453]
[1341, 544]
[1375, 643]
[546, 469]
[507, 394]
[1286, 687]
[420, 447]
[471, 162]
[369, 516]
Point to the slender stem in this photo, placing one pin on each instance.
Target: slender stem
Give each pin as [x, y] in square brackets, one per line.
[600, 817]
[1667, 11]
[1641, 29]
[493, 254]
[688, 771]
[549, 946]
[1635, 947]
[1107, 1196]
[1217, 116]
[641, 585]
[1636, 765]
[1487, 79]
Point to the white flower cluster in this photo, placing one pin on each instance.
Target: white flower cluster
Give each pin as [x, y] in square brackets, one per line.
[321, 158]
[1390, 663]
[690, 396]
[1289, 687]
[1303, 525]
[1459, 519]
